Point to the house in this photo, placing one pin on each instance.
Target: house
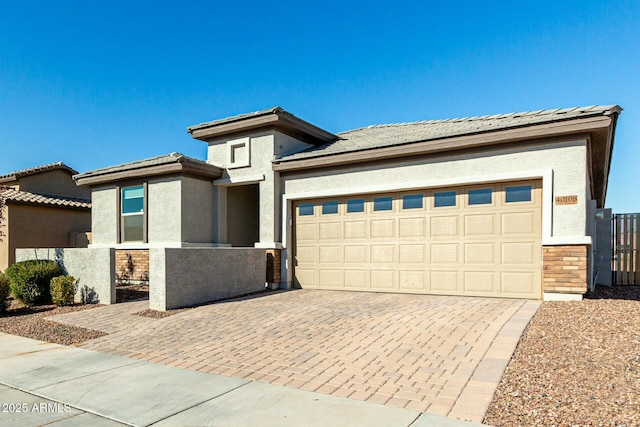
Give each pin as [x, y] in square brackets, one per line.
[498, 206]
[44, 208]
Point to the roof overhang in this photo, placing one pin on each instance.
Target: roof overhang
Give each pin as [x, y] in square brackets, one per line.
[194, 169]
[598, 130]
[275, 118]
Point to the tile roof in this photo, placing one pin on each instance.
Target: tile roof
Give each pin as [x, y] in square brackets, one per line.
[145, 163]
[378, 136]
[24, 197]
[12, 176]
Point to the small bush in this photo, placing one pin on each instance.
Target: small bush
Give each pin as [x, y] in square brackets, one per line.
[4, 292]
[29, 281]
[63, 289]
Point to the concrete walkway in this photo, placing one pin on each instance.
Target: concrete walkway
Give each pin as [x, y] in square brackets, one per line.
[50, 384]
[429, 354]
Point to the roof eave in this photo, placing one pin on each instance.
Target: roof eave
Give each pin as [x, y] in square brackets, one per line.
[182, 168]
[280, 120]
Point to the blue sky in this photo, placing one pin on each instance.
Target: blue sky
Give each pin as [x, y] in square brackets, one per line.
[97, 83]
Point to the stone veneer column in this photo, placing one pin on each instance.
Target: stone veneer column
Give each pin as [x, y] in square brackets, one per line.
[132, 266]
[273, 266]
[565, 269]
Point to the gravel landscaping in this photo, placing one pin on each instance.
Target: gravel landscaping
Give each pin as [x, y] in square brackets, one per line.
[29, 322]
[578, 364]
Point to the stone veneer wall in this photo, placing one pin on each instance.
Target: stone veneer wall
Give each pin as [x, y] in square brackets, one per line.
[132, 266]
[273, 265]
[565, 268]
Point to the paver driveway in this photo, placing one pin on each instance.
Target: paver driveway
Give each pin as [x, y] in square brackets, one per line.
[437, 354]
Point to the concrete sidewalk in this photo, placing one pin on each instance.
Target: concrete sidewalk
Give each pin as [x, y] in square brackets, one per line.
[50, 384]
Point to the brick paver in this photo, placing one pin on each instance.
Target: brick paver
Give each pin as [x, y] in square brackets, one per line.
[438, 354]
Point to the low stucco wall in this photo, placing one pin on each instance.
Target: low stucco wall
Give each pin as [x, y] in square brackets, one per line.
[94, 267]
[181, 277]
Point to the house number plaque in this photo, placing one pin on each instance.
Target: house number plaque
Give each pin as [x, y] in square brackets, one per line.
[567, 200]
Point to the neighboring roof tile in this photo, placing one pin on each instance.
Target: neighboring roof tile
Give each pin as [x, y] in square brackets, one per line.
[12, 176]
[25, 197]
[378, 136]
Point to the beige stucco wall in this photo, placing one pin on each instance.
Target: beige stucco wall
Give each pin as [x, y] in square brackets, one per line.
[164, 205]
[263, 147]
[180, 211]
[104, 214]
[56, 182]
[40, 227]
[198, 211]
[4, 242]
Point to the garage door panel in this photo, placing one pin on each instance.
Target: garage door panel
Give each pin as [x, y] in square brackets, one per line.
[444, 281]
[355, 229]
[410, 253]
[307, 254]
[444, 226]
[444, 253]
[382, 254]
[354, 254]
[479, 225]
[355, 278]
[329, 231]
[330, 278]
[518, 223]
[412, 279]
[307, 277]
[307, 232]
[412, 227]
[479, 253]
[382, 279]
[479, 282]
[518, 253]
[519, 283]
[329, 254]
[381, 228]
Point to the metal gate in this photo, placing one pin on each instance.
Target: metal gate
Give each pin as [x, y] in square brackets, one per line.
[626, 249]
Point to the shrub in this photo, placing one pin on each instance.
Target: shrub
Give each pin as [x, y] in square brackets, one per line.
[4, 292]
[63, 289]
[29, 281]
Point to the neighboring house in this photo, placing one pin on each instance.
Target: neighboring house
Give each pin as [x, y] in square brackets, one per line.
[44, 208]
[500, 205]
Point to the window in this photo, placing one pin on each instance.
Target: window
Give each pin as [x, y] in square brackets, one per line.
[412, 201]
[305, 209]
[355, 205]
[521, 193]
[329, 208]
[480, 197]
[132, 213]
[446, 198]
[383, 203]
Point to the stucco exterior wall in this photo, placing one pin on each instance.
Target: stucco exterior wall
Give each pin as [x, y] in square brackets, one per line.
[198, 211]
[189, 276]
[164, 210]
[41, 227]
[95, 268]
[263, 147]
[104, 215]
[56, 182]
[180, 211]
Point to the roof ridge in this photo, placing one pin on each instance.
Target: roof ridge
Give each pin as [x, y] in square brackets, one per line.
[39, 169]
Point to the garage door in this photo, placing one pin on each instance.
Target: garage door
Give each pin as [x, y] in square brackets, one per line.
[482, 240]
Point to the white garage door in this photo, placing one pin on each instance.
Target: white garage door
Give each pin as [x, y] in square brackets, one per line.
[482, 240]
